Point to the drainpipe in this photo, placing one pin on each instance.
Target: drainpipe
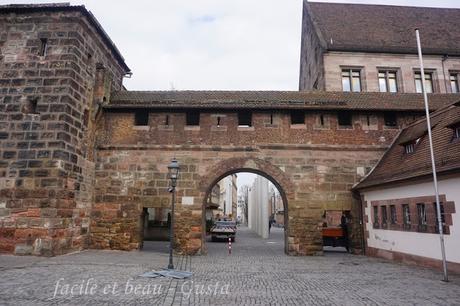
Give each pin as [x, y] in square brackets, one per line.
[444, 58]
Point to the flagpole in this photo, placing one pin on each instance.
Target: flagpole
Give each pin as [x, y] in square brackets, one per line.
[433, 164]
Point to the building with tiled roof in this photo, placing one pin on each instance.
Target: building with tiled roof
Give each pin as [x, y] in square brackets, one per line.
[398, 194]
[356, 47]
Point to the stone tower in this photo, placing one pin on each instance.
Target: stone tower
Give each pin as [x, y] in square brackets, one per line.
[57, 66]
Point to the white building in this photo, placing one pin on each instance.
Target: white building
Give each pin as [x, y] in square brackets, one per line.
[399, 211]
[258, 208]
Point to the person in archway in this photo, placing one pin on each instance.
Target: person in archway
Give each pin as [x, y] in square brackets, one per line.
[270, 222]
[343, 225]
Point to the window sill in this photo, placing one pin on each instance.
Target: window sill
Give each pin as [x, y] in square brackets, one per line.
[298, 126]
[345, 127]
[166, 127]
[390, 127]
[141, 127]
[245, 128]
[192, 128]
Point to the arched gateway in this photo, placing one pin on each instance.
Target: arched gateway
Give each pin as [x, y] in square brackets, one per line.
[313, 146]
[257, 166]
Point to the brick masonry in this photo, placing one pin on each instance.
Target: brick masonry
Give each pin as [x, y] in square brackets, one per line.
[47, 149]
[313, 175]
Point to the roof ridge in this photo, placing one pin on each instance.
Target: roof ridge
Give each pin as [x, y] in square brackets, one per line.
[380, 5]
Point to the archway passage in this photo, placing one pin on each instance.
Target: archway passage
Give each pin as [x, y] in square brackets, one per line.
[249, 208]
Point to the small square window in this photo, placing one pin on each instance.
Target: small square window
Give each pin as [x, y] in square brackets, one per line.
[141, 117]
[387, 81]
[384, 215]
[245, 119]
[376, 216]
[456, 132]
[344, 118]
[193, 118]
[297, 117]
[351, 80]
[421, 213]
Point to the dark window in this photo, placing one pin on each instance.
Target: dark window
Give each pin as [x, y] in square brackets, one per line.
[376, 216]
[218, 121]
[393, 217]
[245, 119]
[271, 118]
[421, 213]
[454, 85]
[321, 120]
[141, 117]
[428, 82]
[390, 118]
[43, 46]
[351, 80]
[384, 215]
[387, 81]
[193, 118]
[406, 214]
[344, 118]
[297, 117]
[167, 120]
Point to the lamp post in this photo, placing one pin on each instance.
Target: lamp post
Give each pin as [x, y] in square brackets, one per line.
[173, 174]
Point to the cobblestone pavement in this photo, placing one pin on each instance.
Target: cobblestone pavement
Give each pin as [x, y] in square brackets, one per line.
[257, 272]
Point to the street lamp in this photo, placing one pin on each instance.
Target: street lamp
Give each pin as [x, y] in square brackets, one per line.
[173, 174]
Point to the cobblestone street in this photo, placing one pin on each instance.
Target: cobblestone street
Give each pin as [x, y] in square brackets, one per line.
[257, 272]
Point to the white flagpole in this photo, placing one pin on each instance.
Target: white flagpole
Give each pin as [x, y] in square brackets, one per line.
[433, 164]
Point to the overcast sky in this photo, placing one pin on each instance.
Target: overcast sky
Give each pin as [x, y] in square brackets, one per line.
[210, 44]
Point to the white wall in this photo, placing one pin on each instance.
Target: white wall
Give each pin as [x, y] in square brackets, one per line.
[420, 244]
[258, 207]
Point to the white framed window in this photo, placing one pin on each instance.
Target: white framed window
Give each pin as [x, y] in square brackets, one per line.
[388, 81]
[428, 82]
[457, 132]
[351, 80]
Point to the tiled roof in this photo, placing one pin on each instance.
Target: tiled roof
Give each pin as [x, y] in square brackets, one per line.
[385, 28]
[277, 100]
[57, 7]
[396, 166]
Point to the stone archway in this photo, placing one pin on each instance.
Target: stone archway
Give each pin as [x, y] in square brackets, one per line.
[252, 165]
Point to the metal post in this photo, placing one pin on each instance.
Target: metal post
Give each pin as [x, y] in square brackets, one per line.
[171, 230]
[433, 164]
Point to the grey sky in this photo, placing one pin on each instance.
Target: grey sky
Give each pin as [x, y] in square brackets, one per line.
[209, 44]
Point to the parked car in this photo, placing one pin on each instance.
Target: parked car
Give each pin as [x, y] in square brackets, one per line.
[223, 230]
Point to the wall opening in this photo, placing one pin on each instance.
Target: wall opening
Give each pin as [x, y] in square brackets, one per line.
[252, 201]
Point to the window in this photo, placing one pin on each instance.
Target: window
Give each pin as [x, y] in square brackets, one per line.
[390, 118]
[321, 120]
[43, 45]
[409, 148]
[245, 119]
[219, 121]
[141, 117]
[297, 117]
[457, 132]
[387, 81]
[344, 118]
[443, 217]
[421, 213]
[167, 120]
[271, 118]
[376, 216]
[351, 80]
[428, 82]
[393, 217]
[384, 215]
[406, 214]
[192, 118]
[454, 83]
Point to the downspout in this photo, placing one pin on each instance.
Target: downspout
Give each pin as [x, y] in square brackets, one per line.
[444, 58]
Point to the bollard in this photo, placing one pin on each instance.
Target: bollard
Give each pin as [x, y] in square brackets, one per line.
[229, 246]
